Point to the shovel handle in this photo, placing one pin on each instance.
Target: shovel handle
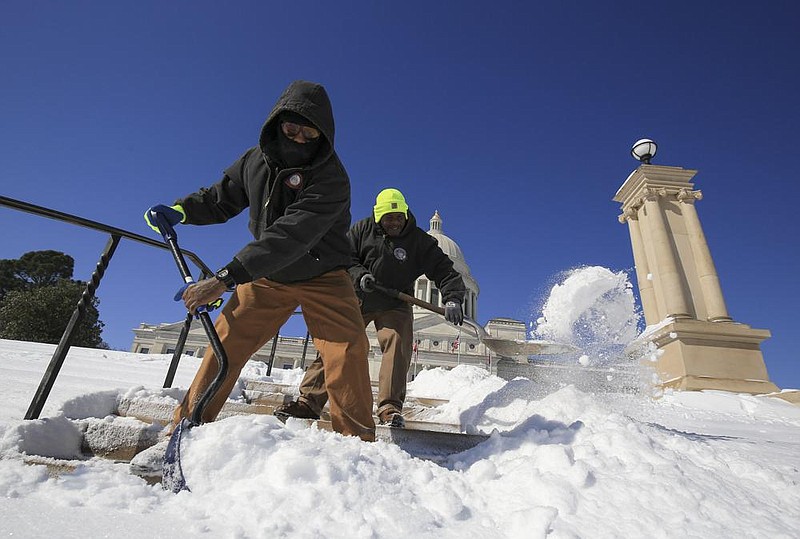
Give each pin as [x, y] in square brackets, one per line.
[391, 292]
[171, 239]
[480, 333]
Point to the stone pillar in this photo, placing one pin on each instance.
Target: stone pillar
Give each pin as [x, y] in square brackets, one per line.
[706, 271]
[676, 304]
[643, 275]
[701, 346]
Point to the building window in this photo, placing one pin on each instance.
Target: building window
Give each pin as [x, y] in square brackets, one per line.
[472, 347]
[421, 286]
[436, 343]
[434, 295]
[144, 350]
[170, 351]
[288, 365]
[190, 352]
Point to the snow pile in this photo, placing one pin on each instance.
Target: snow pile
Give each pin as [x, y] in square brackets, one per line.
[571, 464]
[593, 308]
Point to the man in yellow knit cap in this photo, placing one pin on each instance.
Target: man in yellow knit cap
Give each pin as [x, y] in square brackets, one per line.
[391, 250]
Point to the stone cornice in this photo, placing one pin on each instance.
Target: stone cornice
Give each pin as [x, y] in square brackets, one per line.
[653, 181]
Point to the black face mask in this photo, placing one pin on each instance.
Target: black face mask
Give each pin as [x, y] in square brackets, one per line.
[294, 154]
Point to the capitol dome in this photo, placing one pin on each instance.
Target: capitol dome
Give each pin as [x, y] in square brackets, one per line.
[447, 245]
[427, 290]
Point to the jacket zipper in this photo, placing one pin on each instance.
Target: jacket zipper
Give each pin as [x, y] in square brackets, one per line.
[269, 188]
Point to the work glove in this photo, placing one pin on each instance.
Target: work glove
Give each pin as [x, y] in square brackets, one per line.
[367, 283]
[453, 313]
[216, 304]
[171, 214]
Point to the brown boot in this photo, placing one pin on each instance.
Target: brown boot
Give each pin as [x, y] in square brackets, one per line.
[392, 417]
[297, 409]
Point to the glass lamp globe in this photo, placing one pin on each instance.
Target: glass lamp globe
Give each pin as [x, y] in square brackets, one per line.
[644, 150]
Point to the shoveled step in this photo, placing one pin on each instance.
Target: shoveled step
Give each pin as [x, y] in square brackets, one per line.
[139, 426]
[272, 399]
[160, 411]
[122, 438]
[413, 407]
[276, 394]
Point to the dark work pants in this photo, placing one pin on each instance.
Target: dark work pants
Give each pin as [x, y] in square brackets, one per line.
[395, 329]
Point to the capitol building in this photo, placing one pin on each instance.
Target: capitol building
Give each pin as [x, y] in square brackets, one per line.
[437, 343]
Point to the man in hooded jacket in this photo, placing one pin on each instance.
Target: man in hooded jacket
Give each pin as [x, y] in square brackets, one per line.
[391, 250]
[297, 193]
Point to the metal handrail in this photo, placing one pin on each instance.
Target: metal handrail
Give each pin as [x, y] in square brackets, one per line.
[48, 379]
[94, 225]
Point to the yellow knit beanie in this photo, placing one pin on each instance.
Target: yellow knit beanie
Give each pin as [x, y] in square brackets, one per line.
[389, 201]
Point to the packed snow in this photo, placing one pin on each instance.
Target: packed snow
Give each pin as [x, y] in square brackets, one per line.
[564, 463]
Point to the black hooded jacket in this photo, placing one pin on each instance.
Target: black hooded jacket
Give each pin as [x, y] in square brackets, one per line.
[300, 222]
[397, 262]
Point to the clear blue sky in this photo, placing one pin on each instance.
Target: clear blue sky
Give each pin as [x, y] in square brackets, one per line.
[513, 119]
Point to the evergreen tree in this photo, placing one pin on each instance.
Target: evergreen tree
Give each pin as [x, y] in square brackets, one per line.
[34, 268]
[44, 267]
[38, 297]
[41, 314]
[8, 277]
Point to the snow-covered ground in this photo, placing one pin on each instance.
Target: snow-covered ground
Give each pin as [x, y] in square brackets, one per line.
[565, 464]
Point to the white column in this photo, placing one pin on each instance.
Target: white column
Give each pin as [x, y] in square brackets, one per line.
[643, 276]
[669, 269]
[706, 271]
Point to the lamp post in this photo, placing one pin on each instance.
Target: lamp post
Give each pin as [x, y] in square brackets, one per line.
[644, 150]
[699, 344]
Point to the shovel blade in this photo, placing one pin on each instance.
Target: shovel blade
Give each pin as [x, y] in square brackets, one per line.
[517, 348]
[172, 478]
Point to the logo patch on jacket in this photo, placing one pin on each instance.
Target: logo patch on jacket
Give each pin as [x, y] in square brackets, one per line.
[400, 254]
[295, 181]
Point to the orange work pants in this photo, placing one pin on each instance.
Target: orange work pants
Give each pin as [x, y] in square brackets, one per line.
[256, 312]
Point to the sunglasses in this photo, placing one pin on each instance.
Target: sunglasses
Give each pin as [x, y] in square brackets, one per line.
[291, 130]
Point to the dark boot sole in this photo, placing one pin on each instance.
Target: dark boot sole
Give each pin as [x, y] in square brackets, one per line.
[283, 416]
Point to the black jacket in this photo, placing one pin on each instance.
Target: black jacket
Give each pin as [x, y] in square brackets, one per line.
[397, 262]
[300, 229]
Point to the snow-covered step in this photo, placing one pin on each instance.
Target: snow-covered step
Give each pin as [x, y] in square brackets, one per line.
[160, 411]
[276, 394]
[140, 420]
[116, 437]
[261, 386]
[121, 438]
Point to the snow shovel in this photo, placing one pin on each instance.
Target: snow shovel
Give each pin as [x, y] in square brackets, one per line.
[501, 347]
[171, 471]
